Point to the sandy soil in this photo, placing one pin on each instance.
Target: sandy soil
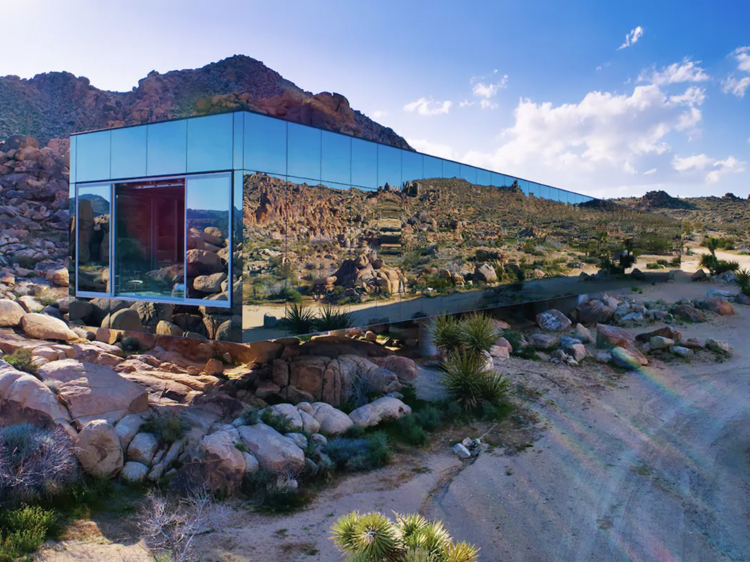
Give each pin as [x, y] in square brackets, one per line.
[652, 465]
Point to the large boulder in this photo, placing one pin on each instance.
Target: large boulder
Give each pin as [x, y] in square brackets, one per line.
[126, 319]
[291, 413]
[544, 342]
[331, 420]
[274, 452]
[25, 399]
[142, 448]
[134, 472]
[11, 313]
[93, 391]
[721, 307]
[382, 409]
[688, 313]
[127, 428]
[485, 273]
[98, 449]
[608, 337]
[665, 331]
[202, 262]
[595, 311]
[46, 327]
[224, 464]
[553, 320]
[625, 358]
[405, 369]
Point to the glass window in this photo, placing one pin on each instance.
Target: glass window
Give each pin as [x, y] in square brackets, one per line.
[451, 169]
[364, 163]
[265, 144]
[72, 164]
[411, 166]
[433, 167]
[469, 173]
[129, 152]
[303, 158]
[167, 148]
[208, 235]
[150, 239]
[94, 209]
[389, 166]
[483, 177]
[92, 155]
[497, 180]
[337, 158]
[239, 140]
[210, 142]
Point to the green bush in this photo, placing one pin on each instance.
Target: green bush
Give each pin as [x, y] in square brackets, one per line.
[430, 418]
[479, 333]
[742, 278]
[24, 530]
[279, 422]
[167, 427]
[299, 319]
[131, 344]
[514, 337]
[447, 333]
[410, 538]
[469, 382]
[21, 360]
[330, 318]
[366, 453]
[272, 492]
[251, 415]
[724, 266]
[411, 431]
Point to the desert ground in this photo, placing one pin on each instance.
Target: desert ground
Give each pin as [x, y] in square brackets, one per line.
[598, 465]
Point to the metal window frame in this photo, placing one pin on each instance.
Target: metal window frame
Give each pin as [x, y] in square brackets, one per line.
[111, 294]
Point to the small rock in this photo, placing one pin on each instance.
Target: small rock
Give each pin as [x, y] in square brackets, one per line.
[553, 320]
[461, 451]
[625, 359]
[582, 333]
[544, 342]
[680, 351]
[699, 275]
[213, 367]
[719, 346]
[382, 409]
[142, 448]
[134, 472]
[660, 342]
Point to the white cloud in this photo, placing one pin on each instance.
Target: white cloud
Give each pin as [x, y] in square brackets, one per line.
[632, 37]
[686, 71]
[650, 172]
[729, 166]
[379, 113]
[428, 106]
[734, 86]
[697, 162]
[436, 149]
[742, 54]
[485, 90]
[465, 103]
[487, 104]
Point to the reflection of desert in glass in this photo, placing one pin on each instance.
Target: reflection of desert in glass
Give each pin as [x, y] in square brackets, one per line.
[93, 239]
[415, 249]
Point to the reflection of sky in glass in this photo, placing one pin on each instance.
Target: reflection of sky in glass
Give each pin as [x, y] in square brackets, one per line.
[469, 173]
[265, 144]
[389, 166]
[364, 163]
[411, 166]
[129, 152]
[167, 148]
[433, 167]
[303, 158]
[483, 177]
[337, 158]
[208, 194]
[93, 156]
[210, 143]
[450, 169]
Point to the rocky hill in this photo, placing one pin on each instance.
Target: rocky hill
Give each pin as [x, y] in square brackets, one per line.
[56, 104]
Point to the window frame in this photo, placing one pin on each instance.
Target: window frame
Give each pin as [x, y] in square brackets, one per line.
[112, 234]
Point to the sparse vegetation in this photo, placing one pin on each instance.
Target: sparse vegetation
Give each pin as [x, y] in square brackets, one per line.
[24, 530]
[279, 422]
[742, 278]
[360, 453]
[469, 382]
[409, 538]
[166, 426]
[251, 415]
[21, 360]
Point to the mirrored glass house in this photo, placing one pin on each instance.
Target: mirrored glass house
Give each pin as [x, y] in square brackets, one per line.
[220, 226]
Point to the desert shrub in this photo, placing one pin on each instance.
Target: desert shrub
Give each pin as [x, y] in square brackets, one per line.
[409, 538]
[365, 453]
[447, 333]
[289, 295]
[279, 422]
[429, 417]
[411, 431]
[24, 530]
[724, 266]
[469, 382]
[299, 319]
[653, 243]
[514, 337]
[21, 360]
[330, 318]
[274, 492]
[251, 415]
[35, 463]
[167, 427]
[527, 352]
[131, 344]
[742, 278]
[359, 392]
[654, 265]
[479, 333]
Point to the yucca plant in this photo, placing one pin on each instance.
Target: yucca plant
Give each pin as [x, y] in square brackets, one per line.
[469, 382]
[299, 319]
[447, 333]
[373, 537]
[742, 278]
[331, 318]
[479, 333]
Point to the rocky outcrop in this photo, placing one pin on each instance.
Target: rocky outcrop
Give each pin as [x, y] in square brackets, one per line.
[382, 409]
[274, 452]
[46, 327]
[553, 320]
[98, 449]
[25, 399]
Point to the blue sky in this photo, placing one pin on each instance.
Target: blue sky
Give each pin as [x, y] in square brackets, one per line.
[603, 98]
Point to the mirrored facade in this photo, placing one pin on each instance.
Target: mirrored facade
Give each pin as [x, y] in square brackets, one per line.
[224, 226]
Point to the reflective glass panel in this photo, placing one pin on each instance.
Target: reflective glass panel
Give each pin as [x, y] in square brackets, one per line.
[411, 166]
[303, 158]
[94, 209]
[210, 143]
[364, 163]
[72, 164]
[469, 173]
[129, 152]
[451, 169]
[167, 148]
[433, 167]
[239, 140]
[265, 144]
[498, 180]
[389, 166]
[483, 177]
[150, 239]
[207, 215]
[337, 158]
[92, 155]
